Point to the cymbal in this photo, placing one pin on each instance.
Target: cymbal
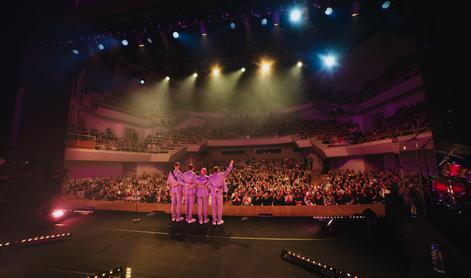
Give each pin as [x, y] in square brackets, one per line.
[452, 155]
[456, 148]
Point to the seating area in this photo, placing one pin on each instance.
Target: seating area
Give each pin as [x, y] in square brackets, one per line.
[406, 120]
[259, 183]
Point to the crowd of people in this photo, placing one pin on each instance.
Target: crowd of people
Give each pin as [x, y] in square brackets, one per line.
[255, 185]
[260, 183]
[406, 120]
[268, 182]
[142, 188]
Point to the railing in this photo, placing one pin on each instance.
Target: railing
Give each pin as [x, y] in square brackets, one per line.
[81, 141]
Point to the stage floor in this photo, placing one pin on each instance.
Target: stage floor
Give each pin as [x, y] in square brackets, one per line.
[154, 247]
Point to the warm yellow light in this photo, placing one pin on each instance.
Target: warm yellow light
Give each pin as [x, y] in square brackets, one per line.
[167, 78]
[266, 66]
[195, 75]
[299, 64]
[216, 71]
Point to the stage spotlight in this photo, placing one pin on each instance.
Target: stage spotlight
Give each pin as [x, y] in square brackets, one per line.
[167, 78]
[149, 40]
[242, 69]
[216, 71]
[385, 5]
[295, 15]
[124, 42]
[264, 21]
[195, 75]
[299, 64]
[142, 81]
[75, 51]
[276, 18]
[203, 29]
[101, 46]
[265, 67]
[329, 60]
[175, 35]
[329, 11]
[232, 25]
[355, 8]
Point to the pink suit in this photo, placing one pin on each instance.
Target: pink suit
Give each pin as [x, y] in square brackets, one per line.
[218, 187]
[202, 197]
[174, 180]
[188, 179]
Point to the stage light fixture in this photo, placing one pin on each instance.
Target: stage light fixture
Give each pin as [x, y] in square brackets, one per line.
[386, 5]
[355, 8]
[232, 25]
[75, 51]
[101, 46]
[216, 71]
[175, 35]
[265, 67]
[295, 15]
[329, 11]
[320, 268]
[115, 272]
[124, 42]
[329, 60]
[203, 29]
[167, 78]
[195, 75]
[142, 82]
[149, 40]
[242, 69]
[276, 18]
[264, 21]
[40, 239]
[299, 64]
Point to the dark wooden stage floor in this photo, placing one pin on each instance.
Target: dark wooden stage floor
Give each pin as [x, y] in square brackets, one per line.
[250, 247]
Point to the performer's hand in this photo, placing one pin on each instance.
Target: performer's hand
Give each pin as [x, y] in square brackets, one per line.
[232, 162]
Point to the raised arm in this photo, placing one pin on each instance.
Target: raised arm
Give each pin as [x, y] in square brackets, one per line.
[229, 169]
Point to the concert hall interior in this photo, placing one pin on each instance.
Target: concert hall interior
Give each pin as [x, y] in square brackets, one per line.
[235, 138]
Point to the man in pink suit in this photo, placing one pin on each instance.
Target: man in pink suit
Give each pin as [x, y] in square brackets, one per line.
[218, 186]
[202, 194]
[188, 179]
[174, 181]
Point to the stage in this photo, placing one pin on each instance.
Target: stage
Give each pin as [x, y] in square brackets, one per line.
[242, 247]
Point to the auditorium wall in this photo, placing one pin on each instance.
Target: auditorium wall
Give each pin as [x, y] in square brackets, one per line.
[409, 161]
[242, 153]
[88, 169]
[356, 163]
[388, 108]
[151, 168]
[118, 127]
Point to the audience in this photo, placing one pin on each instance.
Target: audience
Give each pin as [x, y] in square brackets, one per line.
[262, 183]
[143, 188]
[406, 120]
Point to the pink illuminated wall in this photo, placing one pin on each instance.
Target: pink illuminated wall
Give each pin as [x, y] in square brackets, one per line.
[88, 169]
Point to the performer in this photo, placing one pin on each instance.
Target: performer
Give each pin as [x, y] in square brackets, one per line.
[188, 179]
[218, 187]
[202, 194]
[174, 181]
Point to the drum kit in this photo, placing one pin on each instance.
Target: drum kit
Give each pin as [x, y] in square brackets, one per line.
[452, 185]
